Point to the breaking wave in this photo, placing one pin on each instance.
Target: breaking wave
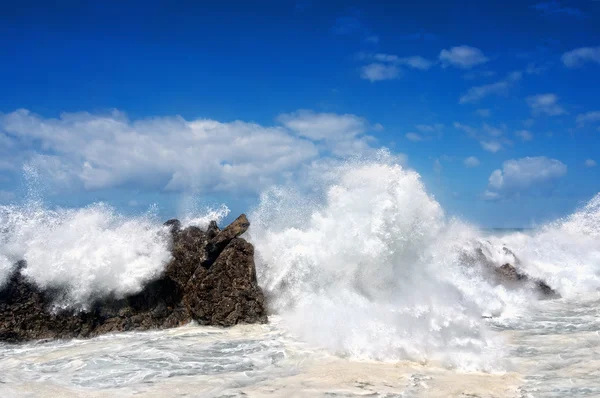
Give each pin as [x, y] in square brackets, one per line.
[360, 260]
[369, 266]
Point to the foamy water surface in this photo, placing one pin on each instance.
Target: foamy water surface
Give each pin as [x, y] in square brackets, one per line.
[552, 353]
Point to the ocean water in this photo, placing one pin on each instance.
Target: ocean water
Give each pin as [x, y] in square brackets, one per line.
[374, 291]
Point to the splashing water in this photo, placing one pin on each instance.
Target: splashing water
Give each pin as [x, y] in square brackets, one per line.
[91, 252]
[374, 271]
[369, 266]
[564, 253]
[366, 265]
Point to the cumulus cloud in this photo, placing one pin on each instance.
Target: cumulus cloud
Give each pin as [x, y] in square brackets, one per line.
[489, 137]
[579, 56]
[590, 163]
[492, 131]
[491, 196]
[389, 67]
[464, 57]
[588, 117]
[414, 137]
[491, 146]
[323, 126]
[477, 93]
[530, 175]
[545, 104]
[471, 161]
[472, 132]
[171, 153]
[376, 72]
[415, 61]
[524, 135]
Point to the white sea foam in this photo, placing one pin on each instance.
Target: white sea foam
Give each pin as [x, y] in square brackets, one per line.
[373, 270]
[564, 253]
[369, 266]
[91, 251]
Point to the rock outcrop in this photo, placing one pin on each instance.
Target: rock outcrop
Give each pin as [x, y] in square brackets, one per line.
[508, 273]
[211, 279]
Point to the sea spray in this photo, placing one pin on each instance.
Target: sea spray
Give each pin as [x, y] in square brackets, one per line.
[88, 252]
[365, 264]
[370, 268]
[564, 253]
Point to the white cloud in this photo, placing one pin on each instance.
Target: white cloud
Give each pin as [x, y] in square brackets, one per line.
[489, 195]
[377, 72]
[323, 126]
[414, 137]
[524, 176]
[590, 163]
[171, 153]
[491, 146]
[545, 104]
[492, 131]
[416, 62]
[471, 161]
[389, 66]
[381, 57]
[524, 135]
[579, 56]
[589, 117]
[484, 112]
[475, 94]
[464, 57]
[472, 132]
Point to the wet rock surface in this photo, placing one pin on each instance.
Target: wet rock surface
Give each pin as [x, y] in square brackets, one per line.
[509, 273]
[211, 279]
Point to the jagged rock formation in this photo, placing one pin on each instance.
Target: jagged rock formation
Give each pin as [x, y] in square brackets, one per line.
[508, 273]
[211, 279]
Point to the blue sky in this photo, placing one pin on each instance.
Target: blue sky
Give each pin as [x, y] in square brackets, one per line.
[494, 103]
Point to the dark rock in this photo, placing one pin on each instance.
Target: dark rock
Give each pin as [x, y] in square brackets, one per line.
[227, 293]
[508, 274]
[212, 230]
[174, 226]
[221, 239]
[210, 279]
